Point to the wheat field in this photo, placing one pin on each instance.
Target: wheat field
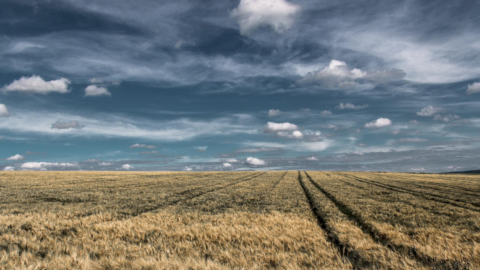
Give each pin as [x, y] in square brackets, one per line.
[239, 220]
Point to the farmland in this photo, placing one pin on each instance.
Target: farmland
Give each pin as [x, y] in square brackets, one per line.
[239, 220]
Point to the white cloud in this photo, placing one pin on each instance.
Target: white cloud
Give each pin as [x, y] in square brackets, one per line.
[412, 140]
[273, 112]
[67, 125]
[127, 167]
[187, 168]
[271, 127]
[251, 14]
[201, 148]
[380, 122]
[4, 110]
[16, 157]
[96, 91]
[35, 84]
[9, 168]
[141, 145]
[231, 160]
[350, 106]
[148, 152]
[429, 111]
[446, 118]
[227, 165]
[254, 161]
[45, 165]
[293, 135]
[338, 75]
[326, 113]
[96, 80]
[312, 158]
[103, 164]
[473, 88]
[414, 122]
[310, 146]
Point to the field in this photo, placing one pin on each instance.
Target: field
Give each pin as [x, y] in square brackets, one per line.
[239, 220]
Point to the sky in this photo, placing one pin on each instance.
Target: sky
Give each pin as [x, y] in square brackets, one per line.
[355, 85]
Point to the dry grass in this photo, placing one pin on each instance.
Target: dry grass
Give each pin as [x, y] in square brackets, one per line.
[241, 220]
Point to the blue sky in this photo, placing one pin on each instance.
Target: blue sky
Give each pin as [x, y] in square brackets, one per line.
[240, 85]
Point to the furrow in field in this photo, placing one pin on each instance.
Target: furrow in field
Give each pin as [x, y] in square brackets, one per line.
[415, 193]
[359, 247]
[187, 196]
[385, 235]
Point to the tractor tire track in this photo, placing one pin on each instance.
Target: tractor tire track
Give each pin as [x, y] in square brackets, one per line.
[425, 196]
[383, 239]
[193, 196]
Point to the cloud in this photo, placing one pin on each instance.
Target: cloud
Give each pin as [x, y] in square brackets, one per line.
[45, 165]
[251, 14]
[429, 111]
[231, 160]
[96, 80]
[273, 112]
[67, 125]
[337, 75]
[16, 157]
[350, 106]
[127, 167]
[201, 148]
[35, 84]
[380, 122]
[446, 118]
[226, 165]
[138, 145]
[148, 152]
[272, 127]
[103, 164]
[254, 161]
[187, 168]
[326, 113]
[259, 149]
[412, 140]
[291, 135]
[9, 168]
[3, 111]
[473, 88]
[414, 122]
[96, 91]
[312, 159]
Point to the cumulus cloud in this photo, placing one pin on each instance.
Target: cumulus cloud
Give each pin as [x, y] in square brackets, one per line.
[350, 106]
[254, 161]
[226, 165]
[141, 145]
[67, 125]
[37, 85]
[127, 167]
[201, 148]
[4, 110]
[430, 111]
[338, 75]
[187, 168]
[251, 14]
[9, 168]
[271, 127]
[380, 122]
[291, 135]
[16, 157]
[326, 113]
[96, 91]
[473, 88]
[45, 165]
[446, 118]
[273, 112]
[231, 160]
[312, 159]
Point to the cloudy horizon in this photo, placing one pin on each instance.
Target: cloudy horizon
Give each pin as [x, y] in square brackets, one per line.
[240, 85]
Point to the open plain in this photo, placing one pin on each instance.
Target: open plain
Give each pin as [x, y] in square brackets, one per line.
[239, 220]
